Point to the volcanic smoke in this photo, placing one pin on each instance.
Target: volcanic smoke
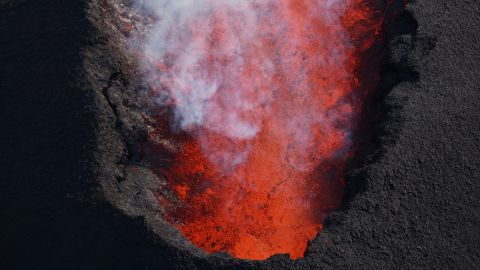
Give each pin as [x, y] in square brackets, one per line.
[264, 97]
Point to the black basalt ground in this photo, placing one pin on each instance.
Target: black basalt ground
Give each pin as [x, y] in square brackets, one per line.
[74, 196]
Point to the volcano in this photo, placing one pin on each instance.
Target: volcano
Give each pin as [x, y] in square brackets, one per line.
[254, 134]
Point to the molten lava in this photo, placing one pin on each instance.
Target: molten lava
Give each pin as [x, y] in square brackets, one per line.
[263, 97]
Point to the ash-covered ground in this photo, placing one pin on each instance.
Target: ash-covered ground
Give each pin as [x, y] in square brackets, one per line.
[73, 196]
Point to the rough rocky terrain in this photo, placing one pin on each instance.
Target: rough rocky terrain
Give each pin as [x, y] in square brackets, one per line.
[72, 197]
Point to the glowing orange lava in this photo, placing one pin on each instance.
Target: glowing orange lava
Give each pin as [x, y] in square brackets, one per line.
[261, 163]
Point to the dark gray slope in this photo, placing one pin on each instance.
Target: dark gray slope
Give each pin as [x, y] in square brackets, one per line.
[52, 121]
[421, 208]
[46, 130]
[416, 203]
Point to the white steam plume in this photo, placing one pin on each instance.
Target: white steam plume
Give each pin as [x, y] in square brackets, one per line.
[212, 94]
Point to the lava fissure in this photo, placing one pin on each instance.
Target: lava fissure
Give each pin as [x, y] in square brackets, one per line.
[263, 98]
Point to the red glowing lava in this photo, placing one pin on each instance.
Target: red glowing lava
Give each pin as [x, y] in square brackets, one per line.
[265, 96]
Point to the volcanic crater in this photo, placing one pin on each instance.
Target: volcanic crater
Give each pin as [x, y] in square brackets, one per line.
[265, 205]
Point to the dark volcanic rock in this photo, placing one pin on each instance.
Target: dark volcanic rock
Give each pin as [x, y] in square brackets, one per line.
[72, 195]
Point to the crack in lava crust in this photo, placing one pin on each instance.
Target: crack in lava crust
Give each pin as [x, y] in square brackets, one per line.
[264, 97]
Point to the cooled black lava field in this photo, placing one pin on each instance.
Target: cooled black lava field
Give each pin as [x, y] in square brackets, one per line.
[75, 192]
